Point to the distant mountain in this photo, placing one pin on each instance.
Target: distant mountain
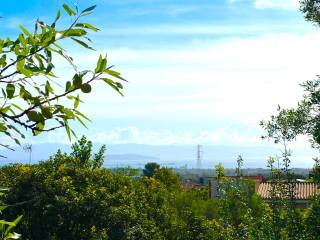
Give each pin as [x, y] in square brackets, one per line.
[136, 155]
[130, 157]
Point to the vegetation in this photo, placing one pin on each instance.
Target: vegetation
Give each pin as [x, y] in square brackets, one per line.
[314, 175]
[6, 227]
[150, 169]
[68, 198]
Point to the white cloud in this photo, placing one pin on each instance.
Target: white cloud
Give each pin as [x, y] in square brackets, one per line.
[238, 79]
[276, 4]
[283, 4]
[200, 86]
[225, 134]
[231, 135]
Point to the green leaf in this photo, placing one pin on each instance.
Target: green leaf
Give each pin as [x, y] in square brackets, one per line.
[76, 102]
[81, 122]
[68, 10]
[49, 68]
[68, 86]
[86, 88]
[69, 113]
[7, 223]
[26, 32]
[40, 127]
[89, 9]
[5, 109]
[115, 85]
[46, 112]
[3, 93]
[88, 26]
[17, 141]
[20, 64]
[18, 219]
[48, 88]
[67, 129]
[34, 116]
[114, 74]
[15, 222]
[77, 81]
[24, 94]
[3, 60]
[2, 127]
[73, 33]
[17, 107]
[82, 115]
[82, 43]
[58, 16]
[101, 64]
[16, 130]
[73, 133]
[22, 40]
[11, 110]
[10, 89]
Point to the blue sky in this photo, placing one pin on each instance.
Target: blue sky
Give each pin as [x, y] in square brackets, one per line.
[199, 71]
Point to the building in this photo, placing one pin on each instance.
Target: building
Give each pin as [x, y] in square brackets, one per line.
[302, 192]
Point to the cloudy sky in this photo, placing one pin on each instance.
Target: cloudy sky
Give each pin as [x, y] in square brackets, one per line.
[204, 71]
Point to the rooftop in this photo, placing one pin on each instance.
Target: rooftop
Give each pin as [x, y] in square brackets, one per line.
[302, 190]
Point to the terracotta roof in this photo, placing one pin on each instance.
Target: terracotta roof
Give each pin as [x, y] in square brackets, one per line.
[302, 190]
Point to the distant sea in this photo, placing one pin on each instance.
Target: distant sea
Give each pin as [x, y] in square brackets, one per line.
[136, 155]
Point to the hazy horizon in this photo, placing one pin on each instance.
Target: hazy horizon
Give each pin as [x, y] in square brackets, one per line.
[137, 155]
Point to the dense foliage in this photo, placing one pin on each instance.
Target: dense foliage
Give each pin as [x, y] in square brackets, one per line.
[7, 227]
[150, 169]
[71, 197]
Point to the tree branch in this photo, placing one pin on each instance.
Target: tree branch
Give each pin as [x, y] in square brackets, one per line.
[51, 99]
[7, 76]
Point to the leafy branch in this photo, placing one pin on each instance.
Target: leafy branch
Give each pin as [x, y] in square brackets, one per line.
[31, 91]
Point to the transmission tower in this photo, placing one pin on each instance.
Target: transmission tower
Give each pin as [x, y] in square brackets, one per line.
[199, 156]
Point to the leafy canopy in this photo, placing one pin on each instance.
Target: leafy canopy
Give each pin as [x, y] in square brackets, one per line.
[150, 169]
[82, 152]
